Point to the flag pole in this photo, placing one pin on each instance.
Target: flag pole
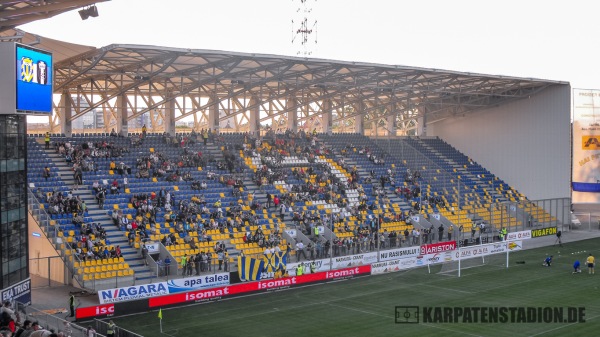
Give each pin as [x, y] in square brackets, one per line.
[160, 319]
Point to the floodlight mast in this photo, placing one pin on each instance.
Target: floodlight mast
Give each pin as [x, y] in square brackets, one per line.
[303, 28]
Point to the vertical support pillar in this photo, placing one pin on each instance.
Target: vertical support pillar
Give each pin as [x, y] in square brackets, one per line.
[359, 120]
[391, 125]
[422, 125]
[327, 117]
[254, 115]
[169, 115]
[65, 111]
[122, 123]
[292, 114]
[213, 112]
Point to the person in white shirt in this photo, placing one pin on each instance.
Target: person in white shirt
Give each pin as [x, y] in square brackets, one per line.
[299, 250]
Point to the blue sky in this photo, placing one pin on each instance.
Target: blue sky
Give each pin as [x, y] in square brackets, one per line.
[555, 40]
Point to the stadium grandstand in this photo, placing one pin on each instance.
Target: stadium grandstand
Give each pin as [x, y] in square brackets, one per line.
[153, 155]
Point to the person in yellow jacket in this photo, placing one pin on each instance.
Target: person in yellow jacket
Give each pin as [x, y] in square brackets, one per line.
[47, 140]
[110, 329]
[591, 262]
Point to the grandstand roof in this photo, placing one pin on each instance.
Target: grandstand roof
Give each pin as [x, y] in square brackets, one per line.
[167, 73]
[60, 49]
[14, 13]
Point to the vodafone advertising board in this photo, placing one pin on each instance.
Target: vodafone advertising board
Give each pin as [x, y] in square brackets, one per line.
[251, 287]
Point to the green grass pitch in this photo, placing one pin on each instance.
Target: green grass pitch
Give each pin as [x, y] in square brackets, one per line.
[366, 306]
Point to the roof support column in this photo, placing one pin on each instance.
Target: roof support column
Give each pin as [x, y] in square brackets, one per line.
[121, 107]
[169, 117]
[292, 114]
[65, 111]
[213, 112]
[254, 115]
[391, 125]
[358, 120]
[327, 117]
[422, 125]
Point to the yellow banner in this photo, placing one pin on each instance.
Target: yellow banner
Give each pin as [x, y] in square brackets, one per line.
[590, 142]
[536, 233]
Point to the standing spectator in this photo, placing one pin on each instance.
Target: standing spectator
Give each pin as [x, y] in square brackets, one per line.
[209, 260]
[46, 173]
[183, 264]
[72, 305]
[110, 330]
[145, 254]
[220, 256]
[90, 332]
[299, 250]
[25, 327]
[47, 140]
[197, 263]
[167, 265]
[205, 136]
[282, 211]
[591, 262]
[144, 131]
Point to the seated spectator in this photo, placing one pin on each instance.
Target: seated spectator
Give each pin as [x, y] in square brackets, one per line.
[114, 187]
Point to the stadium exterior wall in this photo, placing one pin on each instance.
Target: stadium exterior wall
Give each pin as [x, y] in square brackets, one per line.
[526, 143]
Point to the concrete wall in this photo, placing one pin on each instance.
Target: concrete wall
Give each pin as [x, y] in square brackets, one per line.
[526, 143]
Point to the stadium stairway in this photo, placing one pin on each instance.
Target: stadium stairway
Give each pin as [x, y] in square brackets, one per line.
[113, 233]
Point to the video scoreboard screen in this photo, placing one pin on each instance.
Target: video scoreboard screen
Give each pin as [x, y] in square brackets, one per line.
[26, 84]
